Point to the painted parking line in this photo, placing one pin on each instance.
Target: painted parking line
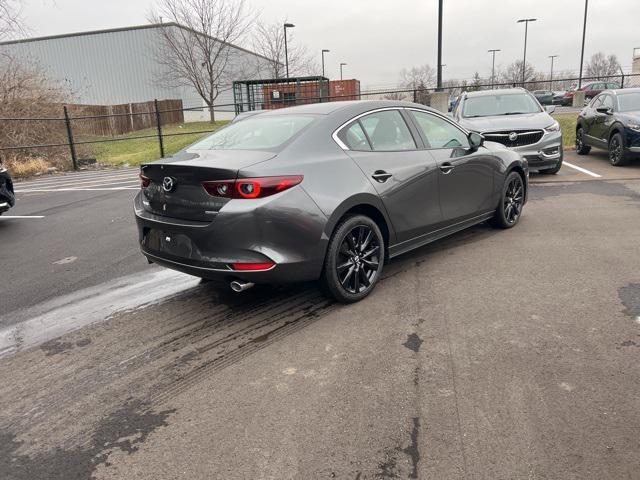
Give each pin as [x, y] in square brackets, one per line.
[83, 186]
[9, 217]
[68, 180]
[580, 169]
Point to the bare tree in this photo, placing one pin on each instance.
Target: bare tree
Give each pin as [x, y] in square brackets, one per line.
[417, 77]
[601, 66]
[513, 73]
[268, 41]
[11, 22]
[198, 52]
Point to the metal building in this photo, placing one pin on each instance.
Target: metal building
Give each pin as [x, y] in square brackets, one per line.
[106, 67]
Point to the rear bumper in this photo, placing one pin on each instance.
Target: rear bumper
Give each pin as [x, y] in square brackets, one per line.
[286, 229]
[7, 197]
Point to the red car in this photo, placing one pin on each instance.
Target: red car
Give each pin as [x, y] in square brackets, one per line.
[591, 89]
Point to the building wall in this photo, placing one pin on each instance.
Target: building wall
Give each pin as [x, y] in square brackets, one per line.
[116, 67]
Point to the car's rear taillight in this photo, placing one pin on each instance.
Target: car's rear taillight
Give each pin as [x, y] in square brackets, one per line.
[247, 267]
[251, 187]
[144, 181]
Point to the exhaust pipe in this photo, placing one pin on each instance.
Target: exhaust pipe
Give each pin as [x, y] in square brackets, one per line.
[239, 286]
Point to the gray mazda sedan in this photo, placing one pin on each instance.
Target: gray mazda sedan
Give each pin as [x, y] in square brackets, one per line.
[328, 191]
[514, 118]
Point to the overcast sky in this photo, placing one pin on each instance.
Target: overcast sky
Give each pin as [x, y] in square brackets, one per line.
[377, 38]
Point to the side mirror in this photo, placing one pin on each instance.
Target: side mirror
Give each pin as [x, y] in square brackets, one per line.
[550, 108]
[475, 140]
[605, 110]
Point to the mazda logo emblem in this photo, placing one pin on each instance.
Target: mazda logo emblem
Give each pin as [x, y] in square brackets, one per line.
[513, 136]
[168, 184]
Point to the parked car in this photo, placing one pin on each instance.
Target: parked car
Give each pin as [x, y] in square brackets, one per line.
[7, 196]
[326, 191]
[515, 119]
[558, 97]
[545, 97]
[611, 121]
[591, 89]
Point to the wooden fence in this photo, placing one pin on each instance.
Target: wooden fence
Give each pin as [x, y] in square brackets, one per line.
[124, 118]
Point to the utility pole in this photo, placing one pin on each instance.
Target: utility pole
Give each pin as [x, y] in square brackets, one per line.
[584, 34]
[493, 65]
[324, 50]
[286, 52]
[341, 65]
[551, 74]
[440, 45]
[524, 59]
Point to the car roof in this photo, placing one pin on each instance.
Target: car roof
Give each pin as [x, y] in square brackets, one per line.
[497, 91]
[618, 91]
[354, 107]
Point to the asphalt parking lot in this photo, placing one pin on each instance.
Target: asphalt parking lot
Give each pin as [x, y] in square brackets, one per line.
[490, 354]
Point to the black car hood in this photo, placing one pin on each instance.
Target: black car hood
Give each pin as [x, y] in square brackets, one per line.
[6, 188]
[630, 117]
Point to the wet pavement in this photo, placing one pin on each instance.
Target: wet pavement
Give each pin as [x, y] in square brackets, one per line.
[491, 354]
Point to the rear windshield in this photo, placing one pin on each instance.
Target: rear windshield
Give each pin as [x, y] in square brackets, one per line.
[259, 133]
[489, 105]
[629, 102]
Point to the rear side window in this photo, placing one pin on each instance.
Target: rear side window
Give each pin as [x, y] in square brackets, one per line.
[388, 131]
[440, 133]
[267, 132]
[353, 137]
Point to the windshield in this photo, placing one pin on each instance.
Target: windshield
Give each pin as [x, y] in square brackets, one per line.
[629, 102]
[259, 133]
[489, 105]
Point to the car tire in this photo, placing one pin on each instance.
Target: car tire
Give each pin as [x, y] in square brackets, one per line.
[618, 155]
[581, 147]
[556, 169]
[509, 210]
[354, 260]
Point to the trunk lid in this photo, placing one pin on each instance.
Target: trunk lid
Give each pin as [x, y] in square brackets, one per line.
[175, 189]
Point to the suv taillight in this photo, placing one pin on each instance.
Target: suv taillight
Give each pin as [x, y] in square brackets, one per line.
[251, 187]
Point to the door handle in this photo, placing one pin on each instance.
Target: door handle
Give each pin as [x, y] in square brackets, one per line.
[381, 176]
[446, 168]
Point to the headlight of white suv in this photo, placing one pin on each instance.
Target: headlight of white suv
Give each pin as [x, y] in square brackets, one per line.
[634, 126]
[554, 127]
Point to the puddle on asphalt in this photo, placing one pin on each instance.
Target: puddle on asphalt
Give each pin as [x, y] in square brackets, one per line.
[51, 319]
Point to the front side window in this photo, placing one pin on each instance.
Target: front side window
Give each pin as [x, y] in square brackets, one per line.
[607, 102]
[267, 132]
[509, 104]
[440, 133]
[388, 131]
[597, 101]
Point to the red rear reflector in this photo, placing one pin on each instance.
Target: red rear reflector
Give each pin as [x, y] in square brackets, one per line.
[252, 266]
[251, 187]
[144, 181]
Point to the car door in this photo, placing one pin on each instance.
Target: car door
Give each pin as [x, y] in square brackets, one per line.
[403, 173]
[602, 121]
[466, 176]
[589, 118]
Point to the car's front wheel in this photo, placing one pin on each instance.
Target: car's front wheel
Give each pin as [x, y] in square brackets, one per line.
[618, 156]
[354, 260]
[581, 147]
[508, 212]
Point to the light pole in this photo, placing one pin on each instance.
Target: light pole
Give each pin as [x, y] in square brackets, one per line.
[324, 50]
[551, 74]
[584, 34]
[524, 60]
[493, 65]
[439, 45]
[286, 53]
[341, 65]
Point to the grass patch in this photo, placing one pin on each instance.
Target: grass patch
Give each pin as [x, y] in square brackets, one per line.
[27, 167]
[137, 151]
[568, 125]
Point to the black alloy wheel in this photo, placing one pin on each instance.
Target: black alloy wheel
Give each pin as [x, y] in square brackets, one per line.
[355, 259]
[508, 212]
[617, 154]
